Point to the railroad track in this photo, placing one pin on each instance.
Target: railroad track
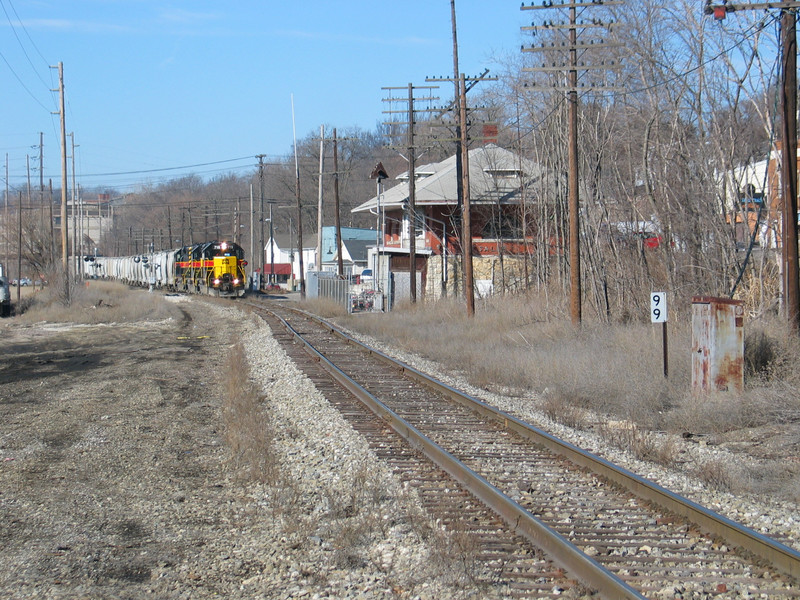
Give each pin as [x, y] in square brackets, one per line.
[542, 515]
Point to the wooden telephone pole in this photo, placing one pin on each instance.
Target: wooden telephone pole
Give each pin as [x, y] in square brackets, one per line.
[64, 225]
[459, 105]
[788, 42]
[571, 67]
[261, 259]
[411, 147]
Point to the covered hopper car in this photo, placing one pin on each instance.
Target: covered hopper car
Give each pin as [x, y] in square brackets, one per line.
[215, 268]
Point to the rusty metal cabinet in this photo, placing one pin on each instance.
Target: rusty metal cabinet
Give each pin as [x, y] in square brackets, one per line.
[717, 344]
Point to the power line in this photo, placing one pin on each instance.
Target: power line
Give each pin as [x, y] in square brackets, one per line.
[17, 77]
[24, 51]
[144, 171]
[747, 35]
[26, 33]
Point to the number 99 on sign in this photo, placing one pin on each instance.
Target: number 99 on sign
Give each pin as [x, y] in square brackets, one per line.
[658, 307]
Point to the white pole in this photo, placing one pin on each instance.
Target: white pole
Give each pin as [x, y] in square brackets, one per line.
[318, 260]
[252, 236]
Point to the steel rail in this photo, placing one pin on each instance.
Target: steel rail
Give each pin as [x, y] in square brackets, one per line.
[559, 548]
[778, 555]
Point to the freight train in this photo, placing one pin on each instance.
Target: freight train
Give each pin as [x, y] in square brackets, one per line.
[215, 268]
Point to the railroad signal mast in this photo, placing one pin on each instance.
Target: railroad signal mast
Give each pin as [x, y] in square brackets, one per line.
[788, 42]
[575, 30]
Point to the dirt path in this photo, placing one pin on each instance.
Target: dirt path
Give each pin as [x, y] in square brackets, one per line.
[112, 478]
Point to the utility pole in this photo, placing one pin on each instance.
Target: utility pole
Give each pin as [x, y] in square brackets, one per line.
[463, 166]
[299, 209]
[170, 239]
[28, 173]
[7, 255]
[320, 208]
[788, 44]
[337, 217]
[412, 198]
[191, 230]
[319, 200]
[261, 261]
[64, 232]
[461, 141]
[789, 147]
[236, 222]
[41, 168]
[466, 220]
[271, 246]
[411, 158]
[571, 68]
[459, 105]
[572, 182]
[252, 233]
[299, 228]
[19, 244]
[76, 254]
[52, 225]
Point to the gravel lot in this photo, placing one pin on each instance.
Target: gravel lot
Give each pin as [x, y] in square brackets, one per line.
[115, 480]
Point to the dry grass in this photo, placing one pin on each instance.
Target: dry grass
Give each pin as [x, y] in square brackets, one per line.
[717, 474]
[514, 342]
[94, 302]
[643, 444]
[248, 432]
[602, 372]
[324, 307]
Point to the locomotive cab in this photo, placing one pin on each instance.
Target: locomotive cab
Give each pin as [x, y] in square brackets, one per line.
[227, 275]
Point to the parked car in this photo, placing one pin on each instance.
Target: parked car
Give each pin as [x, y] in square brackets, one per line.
[5, 298]
[25, 281]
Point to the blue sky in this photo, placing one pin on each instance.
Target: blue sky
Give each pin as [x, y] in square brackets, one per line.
[152, 85]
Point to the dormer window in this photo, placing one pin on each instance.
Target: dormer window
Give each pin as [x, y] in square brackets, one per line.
[503, 173]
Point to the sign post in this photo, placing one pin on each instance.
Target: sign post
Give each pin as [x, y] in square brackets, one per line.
[658, 314]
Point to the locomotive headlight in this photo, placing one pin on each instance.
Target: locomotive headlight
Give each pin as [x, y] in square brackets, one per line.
[224, 245]
[235, 282]
[216, 282]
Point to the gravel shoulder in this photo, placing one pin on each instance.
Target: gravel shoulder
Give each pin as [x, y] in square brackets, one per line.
[115, 480]
[112, 471]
